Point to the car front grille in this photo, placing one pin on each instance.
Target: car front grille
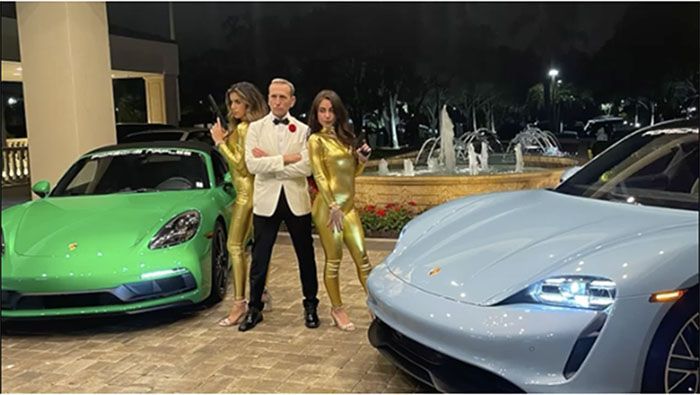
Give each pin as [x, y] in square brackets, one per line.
[123, 294]
[433, 368]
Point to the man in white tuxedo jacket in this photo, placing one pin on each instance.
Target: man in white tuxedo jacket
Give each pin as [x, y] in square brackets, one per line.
[275, 152]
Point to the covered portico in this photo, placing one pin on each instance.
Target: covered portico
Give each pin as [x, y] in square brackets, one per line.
[65, 58]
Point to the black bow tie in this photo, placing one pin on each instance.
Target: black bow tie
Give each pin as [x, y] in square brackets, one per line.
[279, 121]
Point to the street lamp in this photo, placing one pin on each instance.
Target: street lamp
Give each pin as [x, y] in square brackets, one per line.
[553, 74]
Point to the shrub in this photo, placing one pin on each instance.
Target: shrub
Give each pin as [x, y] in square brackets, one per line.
[390, 218]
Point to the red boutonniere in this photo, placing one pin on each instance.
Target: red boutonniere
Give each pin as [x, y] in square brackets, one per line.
[292, 128]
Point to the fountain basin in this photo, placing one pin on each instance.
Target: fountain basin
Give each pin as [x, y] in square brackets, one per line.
[431, 190]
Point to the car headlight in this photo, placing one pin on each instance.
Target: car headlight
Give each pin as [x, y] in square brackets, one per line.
[575, 291]
[177, 231]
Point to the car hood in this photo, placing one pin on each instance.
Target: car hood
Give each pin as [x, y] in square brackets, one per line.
[490, 247]
[96, 225]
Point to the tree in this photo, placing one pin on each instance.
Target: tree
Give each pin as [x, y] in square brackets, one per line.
[535, 102]
[635, 62]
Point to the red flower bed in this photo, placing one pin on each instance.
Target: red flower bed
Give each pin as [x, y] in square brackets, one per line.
[390, 218]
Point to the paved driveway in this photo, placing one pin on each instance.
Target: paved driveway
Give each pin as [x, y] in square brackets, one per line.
[188, 353]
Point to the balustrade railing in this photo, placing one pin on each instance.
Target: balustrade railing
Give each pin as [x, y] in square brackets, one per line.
[15, 165]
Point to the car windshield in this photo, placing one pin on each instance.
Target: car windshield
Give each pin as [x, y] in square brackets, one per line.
[658, 167]
[134, 170]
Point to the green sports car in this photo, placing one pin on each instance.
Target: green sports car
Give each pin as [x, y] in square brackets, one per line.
[129, 228]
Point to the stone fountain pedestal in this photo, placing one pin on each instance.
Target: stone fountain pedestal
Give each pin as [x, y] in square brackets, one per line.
[428, 191]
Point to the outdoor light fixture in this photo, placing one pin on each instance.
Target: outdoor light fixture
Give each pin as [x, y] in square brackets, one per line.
[11, 101]
[553, 73]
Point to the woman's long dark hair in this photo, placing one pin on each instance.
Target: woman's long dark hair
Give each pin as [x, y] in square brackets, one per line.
[343, 129]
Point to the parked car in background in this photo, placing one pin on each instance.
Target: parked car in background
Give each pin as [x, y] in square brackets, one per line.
[170, 134]
[590, 287]
[129, 228]
[125, 129]
[608, 128]
[603, 131]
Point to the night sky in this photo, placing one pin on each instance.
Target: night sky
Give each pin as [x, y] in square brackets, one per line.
[494, 56]
[199, 25]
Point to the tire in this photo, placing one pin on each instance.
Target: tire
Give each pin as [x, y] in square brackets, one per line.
[672, 361]
[219, 266]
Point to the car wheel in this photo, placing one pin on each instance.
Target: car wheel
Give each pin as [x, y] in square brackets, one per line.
[672, 361]
[219, 266]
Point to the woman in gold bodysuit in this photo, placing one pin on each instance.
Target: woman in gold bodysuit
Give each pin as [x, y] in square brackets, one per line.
[245, 104]
[335, 164]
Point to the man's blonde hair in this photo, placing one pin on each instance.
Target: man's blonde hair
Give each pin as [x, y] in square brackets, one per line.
[283, 81]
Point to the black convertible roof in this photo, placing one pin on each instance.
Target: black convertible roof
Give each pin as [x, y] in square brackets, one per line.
[193, 145]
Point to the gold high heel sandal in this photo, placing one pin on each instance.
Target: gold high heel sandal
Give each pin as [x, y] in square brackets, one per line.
[347, 327]
[242, 307]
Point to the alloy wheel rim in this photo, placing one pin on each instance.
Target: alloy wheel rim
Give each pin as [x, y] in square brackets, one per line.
[681, 370]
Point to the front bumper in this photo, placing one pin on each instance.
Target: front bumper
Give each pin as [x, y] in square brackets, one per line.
[127, 298]
[440, 371]
[42, 287]
[524, 347]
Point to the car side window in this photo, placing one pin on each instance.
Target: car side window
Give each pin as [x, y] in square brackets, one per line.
[220, 167]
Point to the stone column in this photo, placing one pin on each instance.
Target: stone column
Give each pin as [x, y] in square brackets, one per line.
[172, 99]
[68, 98]
[155, 99]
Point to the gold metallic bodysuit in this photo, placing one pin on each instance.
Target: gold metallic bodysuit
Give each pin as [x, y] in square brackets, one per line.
[334, 168]
[241, 226]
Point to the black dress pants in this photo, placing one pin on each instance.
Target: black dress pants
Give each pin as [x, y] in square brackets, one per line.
[264, 235]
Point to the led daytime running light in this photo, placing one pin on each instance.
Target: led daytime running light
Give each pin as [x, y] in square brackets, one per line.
[163, 273]
[575, 291]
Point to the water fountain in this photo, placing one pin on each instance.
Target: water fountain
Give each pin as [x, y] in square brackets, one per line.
[408, 168]
[484, 156]
[447, 134]
[533, 139]
[429, 179]
[519, 162]
[473, 164]
[383, 167]
[432, 164]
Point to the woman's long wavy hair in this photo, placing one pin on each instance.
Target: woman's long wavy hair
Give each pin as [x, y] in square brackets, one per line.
[254, 100]
[343, 129]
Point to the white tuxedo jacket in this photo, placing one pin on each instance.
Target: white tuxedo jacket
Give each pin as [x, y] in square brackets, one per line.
[271, 175]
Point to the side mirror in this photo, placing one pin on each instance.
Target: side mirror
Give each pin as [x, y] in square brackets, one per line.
[228, 179]
[41, 188]
[228, 184]
[568, 173]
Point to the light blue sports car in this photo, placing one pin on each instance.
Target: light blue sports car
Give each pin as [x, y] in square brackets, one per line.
[590, 287]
